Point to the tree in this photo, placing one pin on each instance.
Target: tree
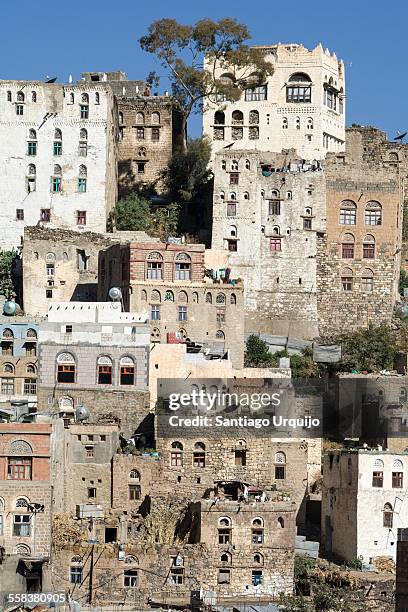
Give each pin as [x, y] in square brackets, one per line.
[181, 50]
[187, 173]
[131, 213]
[403, 282]
[370, 349]
[257, 353]
[7, 262]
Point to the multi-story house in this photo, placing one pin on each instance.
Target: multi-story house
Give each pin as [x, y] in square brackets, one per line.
[57, 156]
[183, 301]
[301, 105]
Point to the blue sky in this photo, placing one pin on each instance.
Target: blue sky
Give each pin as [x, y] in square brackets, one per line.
[62, 38]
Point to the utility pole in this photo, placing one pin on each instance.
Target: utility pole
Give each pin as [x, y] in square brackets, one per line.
[90, 595]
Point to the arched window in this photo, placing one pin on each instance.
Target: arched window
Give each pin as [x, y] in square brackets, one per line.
[131, 560]
[237, 117]
[258, 559]
[280, 466]
[9, 96]
[57, 170]
[220, 298]
[31, 369]
[208, 298]
[155, 335]
[127, 373]
[297, 123]
[347, 246]
[225, 558]
[57, 134]
[142, 152]
[85, 98]
[233, 298]
[219, 118]
[299, 88]
[176, 454]
[33, 96]
[367, 280]
[183, 267]
[257, 531]
[398, 469]
[285, 123]
[155, 296]
[66, 370]
[219, 335]
[224, 530]
[388, 516]
[247, 164]
[82, 174]
[20, 447]
[223, 165]
[373, 213]
[253, 117]
[8, 333]
[20, 96]
[97, 99]
[393, 157]
[233, 231]
[143, 295]
[154, 262]
[155, 118]
[84, 106]
[71, 98]
[134, 475]
[246, 195]
[309, 123]
[195, 297]
[232, 196]
[199, 455]
[348, 212]
[369, 247]
[22, 502]
[9, 368]
[222, 196]
[22, 550]
[347, 279]
[2, 506]
[234, 165]
[169, 296]
[140, 117]
[378, 473]
[281, 521]
[182, 297]
[83, 134]
[104, 370]
[32, 134]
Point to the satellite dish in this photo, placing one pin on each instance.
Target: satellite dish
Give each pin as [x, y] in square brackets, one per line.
[82, 413]
[10, 308]
[115, 294]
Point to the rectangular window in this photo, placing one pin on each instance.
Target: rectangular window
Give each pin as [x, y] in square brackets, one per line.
[32, 148]
[234, 178]
[199, 459]
[19, 214]
[275, 245]
[182, 313]
[81, 217]
[50, 270]
[231, 209]
[7, 386]
[45, 215]
[30, 349]
[257, 94]
[274, 207]
[176, 459]
[130, 579]
[280, 472]
[56, 184]
[397, 480]
[155, 134]
[240, 457]
[83, 149]
[347, 283]
[257, 536]
[48, 293]
[233, 246]
[1, 525]
[183, 271]
[387, 519]
[155, 313]
[89, 452]
[372, 217]
[104, 374]
[82, 185]
[177, 575]
[19, 109]
[224, 536]
[75, 575]
[367, 283]
[19, 468]
[257, 577]
[378, 479]
[307, 224]
[298, 94]
[140, 133]
[347, 251]
[57, 149]
[127, 375]
[91, 493]
[347, 216]
[30, 386]
[66, 373]
[134, 492]
[221, 315]
[31, 184]
[141, 167]
[22, 525]
[84, 111]
[154, 270]
[369, 251]
[224, 576]
[7, 348]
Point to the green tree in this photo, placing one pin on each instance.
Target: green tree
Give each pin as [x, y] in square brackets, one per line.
[181, 50]
[132, 214]
[7, 262]
[257, 353]
[403, 281]
[164, 221]
[328, 599]
[370, 349]
[187, 173]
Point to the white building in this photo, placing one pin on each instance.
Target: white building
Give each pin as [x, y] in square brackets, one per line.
[364, 503]
[301, 106]
[57, 156]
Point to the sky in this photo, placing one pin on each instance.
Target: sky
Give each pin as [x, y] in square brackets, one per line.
[49, 38]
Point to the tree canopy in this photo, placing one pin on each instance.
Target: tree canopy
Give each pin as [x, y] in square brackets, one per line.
[198, 57]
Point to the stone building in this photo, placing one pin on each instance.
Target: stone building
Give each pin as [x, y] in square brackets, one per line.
[183, 301]
[267, 213]
[57, 156]
[401, 578]
[149, 129]
[301, 106]
[25, 504]
[359, 256]
[18, 363]
[364, 497]
[93, 356]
